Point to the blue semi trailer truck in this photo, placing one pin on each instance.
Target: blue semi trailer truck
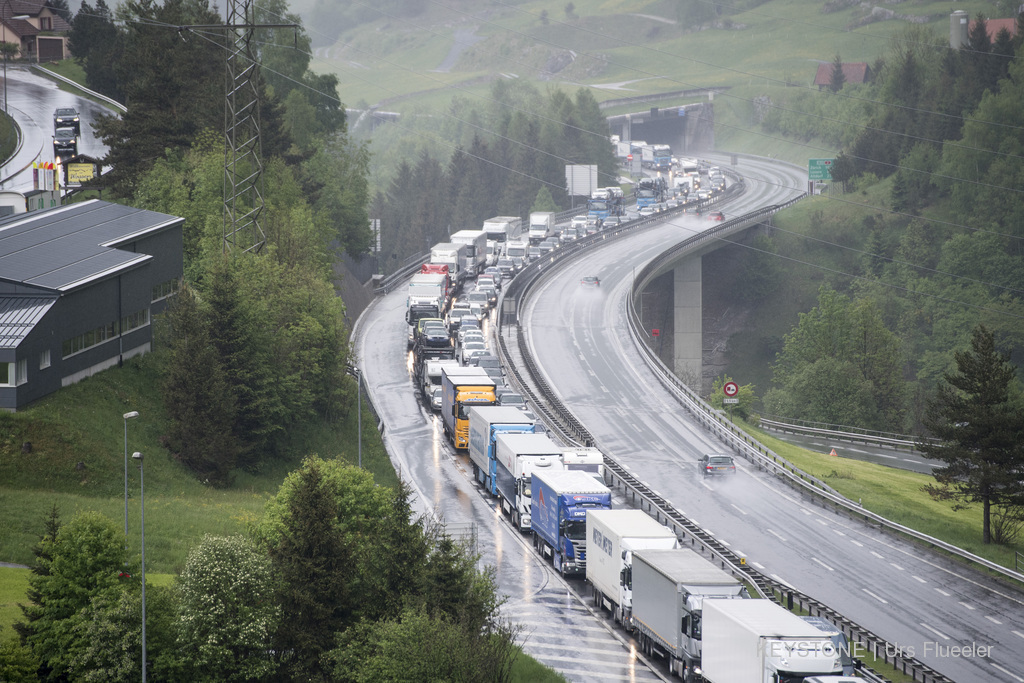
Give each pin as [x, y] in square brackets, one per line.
[561, 500]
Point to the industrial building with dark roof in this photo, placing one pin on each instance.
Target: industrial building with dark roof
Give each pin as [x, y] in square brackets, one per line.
[79, 286]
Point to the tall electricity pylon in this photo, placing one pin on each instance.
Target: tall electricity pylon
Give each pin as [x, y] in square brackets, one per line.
[243, 157]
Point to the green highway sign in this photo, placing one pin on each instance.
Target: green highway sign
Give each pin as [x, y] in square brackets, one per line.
[819, 169]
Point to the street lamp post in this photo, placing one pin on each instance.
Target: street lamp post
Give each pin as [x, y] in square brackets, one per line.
[127, 416]
[142, 500]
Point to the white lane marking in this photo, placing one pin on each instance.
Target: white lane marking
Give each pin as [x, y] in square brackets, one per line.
[880, 599]
[940, 634]
[838, 532]
[897, 566]
[776, 535]
[1005, 671]
[823, 564]
[822, 522]
[761, 566]
[943, 592]
[857, 543]
[1018, 634]
[741, 511]
[805, 511]
[967, 606]
[993, 620]
[877, 555]
[920, 579]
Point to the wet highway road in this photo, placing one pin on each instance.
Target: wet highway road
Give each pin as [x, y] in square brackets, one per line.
[559, 628]
[32, 99]
[904, 594]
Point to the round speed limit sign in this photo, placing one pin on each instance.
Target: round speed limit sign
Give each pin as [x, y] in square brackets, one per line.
[731, 389]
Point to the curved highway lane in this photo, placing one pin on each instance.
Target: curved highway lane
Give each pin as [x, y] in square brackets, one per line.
[959, 622]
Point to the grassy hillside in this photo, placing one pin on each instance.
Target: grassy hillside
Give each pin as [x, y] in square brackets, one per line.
[75, 461]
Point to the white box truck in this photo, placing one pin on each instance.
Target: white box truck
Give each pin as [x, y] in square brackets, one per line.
[475, 258]
[757, 641]
[453, 256]
[542, 225]
[518, 457]
[503, 229]
[485, 424]
[671, 590]
[612, 538]
[585, 458]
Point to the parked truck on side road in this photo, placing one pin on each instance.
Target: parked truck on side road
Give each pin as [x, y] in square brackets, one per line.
[612, 538]
[757, 641]
[671, 591]
[461, 389]
[485, 423]
[476, 250]
[518, 457]
[560, 504]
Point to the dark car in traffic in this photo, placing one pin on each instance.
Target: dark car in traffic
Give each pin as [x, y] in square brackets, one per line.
[67, 117]
[65, 143]
[715, 463]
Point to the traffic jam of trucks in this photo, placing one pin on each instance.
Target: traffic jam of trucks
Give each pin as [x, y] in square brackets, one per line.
[679, 606]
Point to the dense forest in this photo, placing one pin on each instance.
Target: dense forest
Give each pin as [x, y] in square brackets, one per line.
[909, 281]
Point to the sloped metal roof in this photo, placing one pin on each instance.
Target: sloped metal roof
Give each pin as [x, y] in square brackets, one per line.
[66, 247]
[18, 315]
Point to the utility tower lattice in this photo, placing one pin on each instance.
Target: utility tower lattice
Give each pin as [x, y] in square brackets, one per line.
[243, 162]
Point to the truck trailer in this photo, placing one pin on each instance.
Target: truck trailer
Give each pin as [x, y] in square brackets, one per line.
[612, 538]
[561, 501]
[485, 423]
[461, 389]
[542, 226]
[427, 297]
[757, 641]
[584, 458]
[518, 457]
[503, 229]
[454, 256]
[671, 589]
[476, 250]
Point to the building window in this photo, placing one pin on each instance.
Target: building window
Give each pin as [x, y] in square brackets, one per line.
[45, 24]
[101, 334]
[21, 371]
[44, 359]
[165, 289]
[135, 320]
[6, 374]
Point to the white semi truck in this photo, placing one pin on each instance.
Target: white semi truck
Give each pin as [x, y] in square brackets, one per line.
[612, 538]
[671, 590]
[475, 257]
[757, 641]
[542, 226]
[518, 457]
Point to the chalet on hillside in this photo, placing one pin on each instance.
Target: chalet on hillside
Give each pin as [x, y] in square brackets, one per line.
[38, 30]
[854, 72]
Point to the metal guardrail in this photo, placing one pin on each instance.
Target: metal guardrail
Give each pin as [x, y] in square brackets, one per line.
[649, 500]
[855, 437]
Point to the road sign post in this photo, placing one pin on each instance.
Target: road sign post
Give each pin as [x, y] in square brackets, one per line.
[819, 169]
[730, 389]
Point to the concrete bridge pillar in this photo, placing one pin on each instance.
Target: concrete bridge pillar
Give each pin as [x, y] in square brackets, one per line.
[688, 330]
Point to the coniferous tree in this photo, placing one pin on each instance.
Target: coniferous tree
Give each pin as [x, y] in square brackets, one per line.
[313, 561]
[980, 431]
[838, 79]
[97, 45]
[197, 395]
